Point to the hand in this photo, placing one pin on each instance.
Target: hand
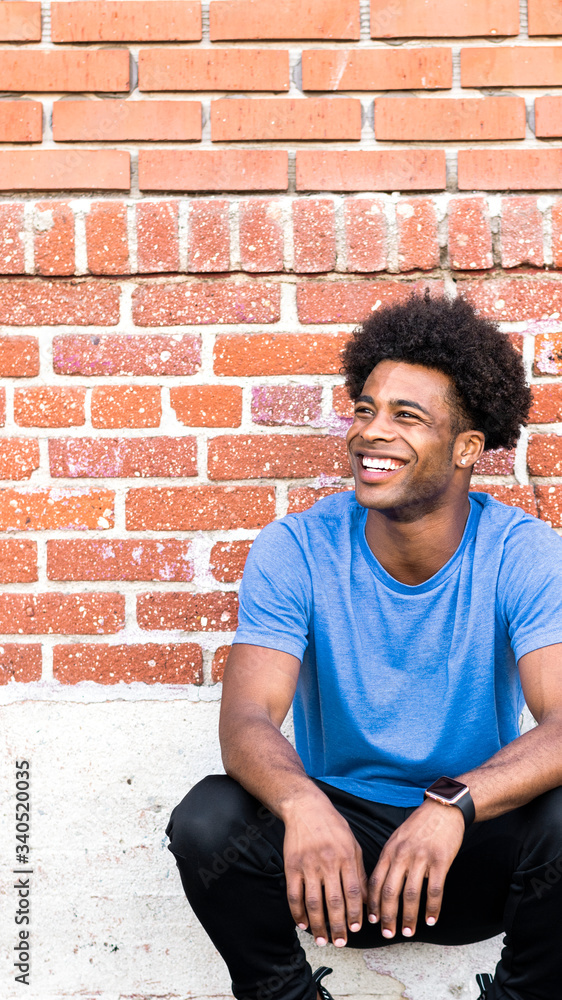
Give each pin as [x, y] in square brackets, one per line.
[323, 861]
[424, 846]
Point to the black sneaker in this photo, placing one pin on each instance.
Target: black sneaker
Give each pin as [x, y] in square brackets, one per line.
[317, 978]
[484, 980]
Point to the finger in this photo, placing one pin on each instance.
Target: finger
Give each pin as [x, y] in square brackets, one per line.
[314, 904]
[376, 883]
[354, 884]
[390, 898]
[411, 901]
[335, 905]
[295, 897]
[435, 885]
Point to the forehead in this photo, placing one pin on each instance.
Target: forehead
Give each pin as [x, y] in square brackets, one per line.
[401, 380]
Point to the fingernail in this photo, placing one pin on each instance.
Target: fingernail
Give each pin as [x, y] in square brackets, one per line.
[373, 918]
[339, 943]
[302, 927]
[407, 932]
[321, 942]
[387, 933]
[430, 921]
[355, 927]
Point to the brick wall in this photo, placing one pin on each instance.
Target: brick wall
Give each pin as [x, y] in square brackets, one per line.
[197, 204]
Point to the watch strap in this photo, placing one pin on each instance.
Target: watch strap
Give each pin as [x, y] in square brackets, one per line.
[466, 806]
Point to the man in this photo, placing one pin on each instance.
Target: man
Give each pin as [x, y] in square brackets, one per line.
[408, 621]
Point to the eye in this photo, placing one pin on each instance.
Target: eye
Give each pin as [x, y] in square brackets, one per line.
[406, 413]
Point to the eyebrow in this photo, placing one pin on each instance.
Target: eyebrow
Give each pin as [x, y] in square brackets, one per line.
[395, 402]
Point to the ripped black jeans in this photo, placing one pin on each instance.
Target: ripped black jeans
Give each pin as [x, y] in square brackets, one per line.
[506, 877]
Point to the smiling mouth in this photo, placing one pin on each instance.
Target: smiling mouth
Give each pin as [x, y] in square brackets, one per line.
[375, 470]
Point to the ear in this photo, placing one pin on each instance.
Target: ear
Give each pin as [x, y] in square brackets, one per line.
[468, 449]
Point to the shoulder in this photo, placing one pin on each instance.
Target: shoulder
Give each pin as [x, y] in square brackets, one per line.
[339, 510]
[520, 534]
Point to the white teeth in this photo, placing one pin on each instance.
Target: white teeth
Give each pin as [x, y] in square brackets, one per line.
[382, 464]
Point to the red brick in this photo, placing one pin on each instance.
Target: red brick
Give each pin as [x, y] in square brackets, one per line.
[208, 245]
[47, 70]
[521, 232]
[341, 403]
[443, 18]
[418, 239]
[279, 354]
[20, 663]
[64, 169]
[21, 121]
[545, 17]
[470, 235]
[510, 494]
[549, 503]
[210, 612]
[548, 116]
[509, 300]
[237, 19]
[197, 508]
[126, 406]
[218, 69]
[282, 119]
[350, 301]
[153, 354]
[314, 235]
[547, 403]
[449, 118]
[119, 559]
[556, 216]
[210, 302]
[54, 238]
[228, 560]
[2, 406]
[512, 66]
[219, 662]
[377, 69]
[117, 121]
[157, 236]
[279, 456]
[56, 509]
[107, 458]
[516, 340]
[29, 302]
[213, 170]
[49, 406]
[207, 405]
[371, 169]
[106, 238]
[18, 561]
[509, 169]
[296, 405]
[499, 462]
[365, 235]
[12, 258]
[303, 497]
[544, 455]
[135, 21]
[20, 21]
[151, 663]
[261, 235]
[68, 614]
[19, 457]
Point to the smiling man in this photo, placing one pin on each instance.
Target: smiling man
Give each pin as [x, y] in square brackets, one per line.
[407, 623]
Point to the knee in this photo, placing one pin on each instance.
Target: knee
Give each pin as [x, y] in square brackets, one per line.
[544, 830]
[208, 815]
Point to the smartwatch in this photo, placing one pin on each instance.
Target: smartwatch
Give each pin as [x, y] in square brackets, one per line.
[450, 792]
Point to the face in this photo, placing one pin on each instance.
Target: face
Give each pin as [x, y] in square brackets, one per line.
[400, 441]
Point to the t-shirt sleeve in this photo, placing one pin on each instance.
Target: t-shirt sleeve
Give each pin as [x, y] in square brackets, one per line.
[275, 594]
[530, 587]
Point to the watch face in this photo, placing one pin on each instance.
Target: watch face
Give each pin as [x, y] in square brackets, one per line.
[446, 787]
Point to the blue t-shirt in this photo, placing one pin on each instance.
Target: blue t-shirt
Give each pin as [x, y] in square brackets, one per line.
[398, 684]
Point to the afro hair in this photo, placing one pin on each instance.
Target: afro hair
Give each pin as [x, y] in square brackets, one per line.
[446, 334]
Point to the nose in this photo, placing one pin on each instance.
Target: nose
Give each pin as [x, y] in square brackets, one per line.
[379, 428]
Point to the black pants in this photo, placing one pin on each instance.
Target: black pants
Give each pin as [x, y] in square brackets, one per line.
[507, 877]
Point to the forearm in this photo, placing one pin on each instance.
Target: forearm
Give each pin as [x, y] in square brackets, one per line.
[262, 760]
[525, 768]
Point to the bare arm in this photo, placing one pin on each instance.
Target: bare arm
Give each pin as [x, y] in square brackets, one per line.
[427, 843]
[322, 857]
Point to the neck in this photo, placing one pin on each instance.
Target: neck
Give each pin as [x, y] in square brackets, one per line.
[412, 549]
